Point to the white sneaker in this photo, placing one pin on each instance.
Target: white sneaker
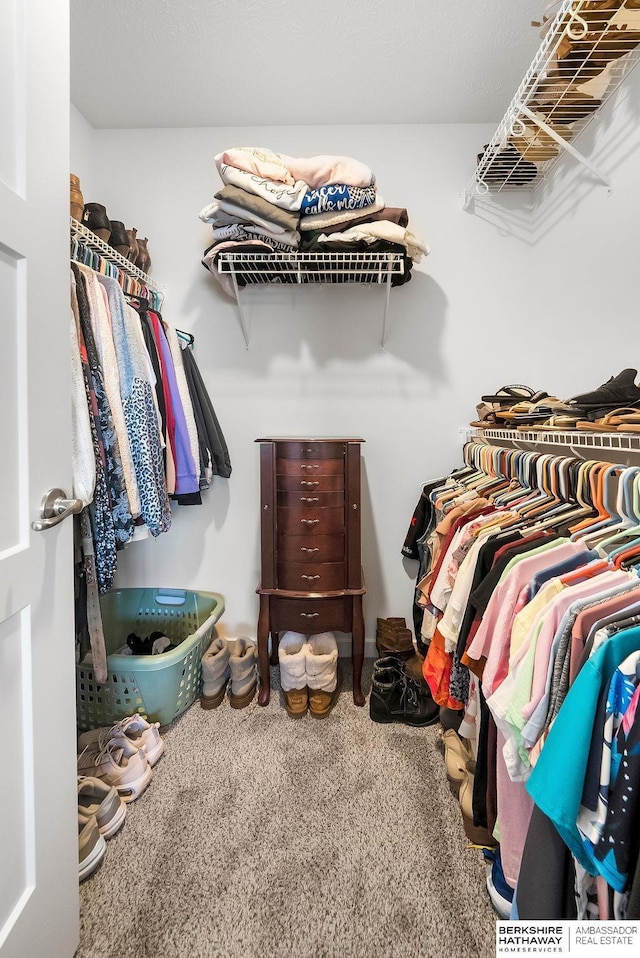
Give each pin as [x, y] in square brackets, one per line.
[91, 847]
[136, 729]
[101, 801]
[117, 762]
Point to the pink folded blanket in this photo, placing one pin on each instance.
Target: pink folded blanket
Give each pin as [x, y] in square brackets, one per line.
[315, 171]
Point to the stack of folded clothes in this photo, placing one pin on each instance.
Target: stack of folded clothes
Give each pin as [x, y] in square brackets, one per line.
[271, 202]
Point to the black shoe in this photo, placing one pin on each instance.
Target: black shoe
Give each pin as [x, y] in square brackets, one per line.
[95, 218]
[620, 390]
[395, 697]
[138, 645]
[388, 663]
[119, 239]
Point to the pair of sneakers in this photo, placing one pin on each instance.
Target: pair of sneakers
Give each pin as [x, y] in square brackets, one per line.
[101, 813]
[121, 755]
[233, 663]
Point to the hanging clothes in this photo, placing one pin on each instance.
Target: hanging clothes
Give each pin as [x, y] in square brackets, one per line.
[521, 586]
[213, 446]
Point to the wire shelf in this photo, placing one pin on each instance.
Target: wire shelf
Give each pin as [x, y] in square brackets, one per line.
[587, 51]
[307, 267]
[89, 239]
[575, 439]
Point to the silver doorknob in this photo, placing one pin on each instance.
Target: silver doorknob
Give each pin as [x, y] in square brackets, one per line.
[54, 508]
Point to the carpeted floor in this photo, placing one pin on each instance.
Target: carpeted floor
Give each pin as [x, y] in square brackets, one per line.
[264, 836]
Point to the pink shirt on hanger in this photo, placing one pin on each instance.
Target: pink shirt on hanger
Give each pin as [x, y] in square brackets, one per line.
[492, 640]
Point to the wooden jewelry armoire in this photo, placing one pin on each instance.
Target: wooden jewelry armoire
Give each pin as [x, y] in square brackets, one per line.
[311, 578]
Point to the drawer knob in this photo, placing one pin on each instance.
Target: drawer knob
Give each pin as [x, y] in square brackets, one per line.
[309, 499]
[307, 482]
[310, 578]
[309, 522]
[309, 450]
[305, 549]
[310, 467]
[309, 615]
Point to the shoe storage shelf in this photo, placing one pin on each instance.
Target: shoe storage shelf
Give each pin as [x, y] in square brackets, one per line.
[311, 575]
[304, 268]
[588, 49]
[83, 239]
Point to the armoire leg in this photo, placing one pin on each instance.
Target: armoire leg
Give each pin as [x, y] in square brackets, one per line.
[263, 651]
[357, 648]
[275, 638]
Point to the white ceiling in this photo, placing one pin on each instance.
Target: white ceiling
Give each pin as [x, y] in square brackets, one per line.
[183, 63]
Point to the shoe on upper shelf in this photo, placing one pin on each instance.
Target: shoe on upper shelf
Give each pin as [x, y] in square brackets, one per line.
[95, 218]
[620, 390]
[506, 167]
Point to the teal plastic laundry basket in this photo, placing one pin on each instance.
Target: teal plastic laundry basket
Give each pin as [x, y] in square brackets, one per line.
[158, 686]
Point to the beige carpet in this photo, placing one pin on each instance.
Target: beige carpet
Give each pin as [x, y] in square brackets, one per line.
[264, 836]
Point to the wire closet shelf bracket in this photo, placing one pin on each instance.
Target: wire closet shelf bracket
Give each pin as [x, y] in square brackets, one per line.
[310, 268]
[587, 51]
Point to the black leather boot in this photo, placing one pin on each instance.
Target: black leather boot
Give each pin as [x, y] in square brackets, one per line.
[396, 697]
[119, 239]
[96, 219]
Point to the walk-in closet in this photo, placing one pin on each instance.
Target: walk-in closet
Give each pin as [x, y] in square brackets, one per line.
[319, 625]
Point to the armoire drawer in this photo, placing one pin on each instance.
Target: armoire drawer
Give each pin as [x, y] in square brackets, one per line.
[310, 484]
[320, 549]
[311, 497]
[309, 468]
[310, 450]
[309, 615]
[309, 521]
[312, 577]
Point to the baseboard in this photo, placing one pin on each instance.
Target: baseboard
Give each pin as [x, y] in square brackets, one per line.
[344, 647]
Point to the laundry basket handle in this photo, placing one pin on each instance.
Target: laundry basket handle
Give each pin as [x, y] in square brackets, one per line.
[171, 597]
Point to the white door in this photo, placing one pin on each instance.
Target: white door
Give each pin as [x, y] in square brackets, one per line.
[38, 832]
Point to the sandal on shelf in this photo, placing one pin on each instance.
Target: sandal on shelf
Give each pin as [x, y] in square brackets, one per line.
[552, 407]
[506, 394]
[564, 102]
[548, 407]
[525, 408]
[624, 415]
[536, 145]
[558, 423]
[487, 411]
[608, 423]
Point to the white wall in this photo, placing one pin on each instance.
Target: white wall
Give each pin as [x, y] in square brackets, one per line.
[544, 297]
[82, 161]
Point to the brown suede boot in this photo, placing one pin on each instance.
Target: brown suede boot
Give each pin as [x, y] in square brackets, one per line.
[394, 638]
